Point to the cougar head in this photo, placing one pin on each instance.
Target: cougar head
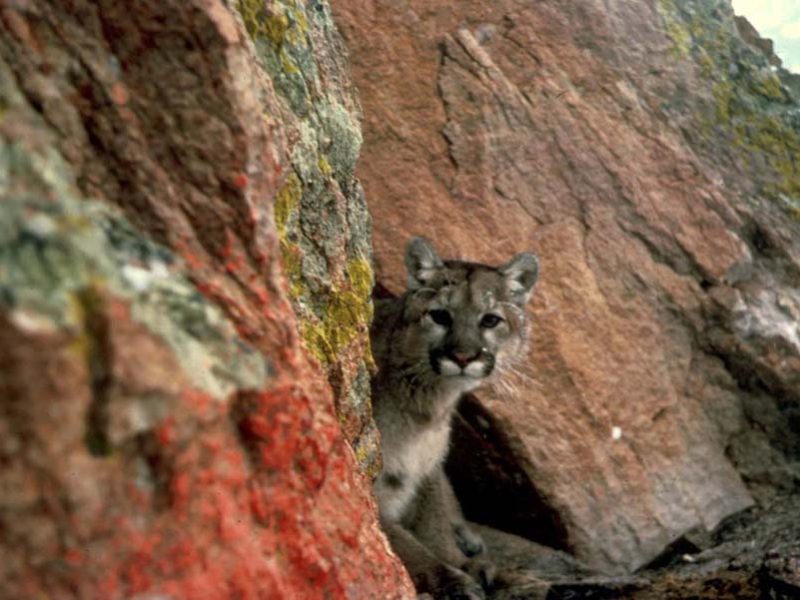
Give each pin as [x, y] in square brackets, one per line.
[465, 319]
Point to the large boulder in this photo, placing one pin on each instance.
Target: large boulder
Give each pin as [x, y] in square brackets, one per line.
[648, 155]
[167, 422]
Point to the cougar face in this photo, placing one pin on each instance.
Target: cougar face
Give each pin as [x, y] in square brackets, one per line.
[464, 319]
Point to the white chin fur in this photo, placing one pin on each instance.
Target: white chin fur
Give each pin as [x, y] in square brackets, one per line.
[449, 368]
[474, 370]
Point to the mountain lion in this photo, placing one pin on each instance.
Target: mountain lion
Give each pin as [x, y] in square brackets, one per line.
[457, 324]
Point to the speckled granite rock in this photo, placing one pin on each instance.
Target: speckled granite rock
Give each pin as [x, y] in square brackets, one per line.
[167, 421]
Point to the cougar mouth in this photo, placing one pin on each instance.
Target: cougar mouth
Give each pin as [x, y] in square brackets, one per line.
[451, 364]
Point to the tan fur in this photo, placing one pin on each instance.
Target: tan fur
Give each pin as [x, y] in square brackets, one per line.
[457, 325]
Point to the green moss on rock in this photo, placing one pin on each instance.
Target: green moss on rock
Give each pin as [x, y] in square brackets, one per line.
[59, 253]
[287, 200]
[322, 227]
[324, 166]
[750, 109]
[767, 85]
[676, 29]
[275, 21]
[344, 315]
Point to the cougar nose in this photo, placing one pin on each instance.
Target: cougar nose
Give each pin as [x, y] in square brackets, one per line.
[463, 358]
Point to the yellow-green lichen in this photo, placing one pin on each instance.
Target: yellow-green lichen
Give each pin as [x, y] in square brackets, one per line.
[368, 458]
[743, 108]
[280, 24]
[362, 453]
[277, 22]
[345, 315]
[292, 259]
[681, 38]
[324, 166]
[286, 202]
[299, 25]
[253, 15]
[287, 65]
[696, 27]
[779, 143]
[768, 86]
[361, 279]
[276, 27]
[707, 66]
[723, 94]
[359, 274]
[678, 32]
[762, 134]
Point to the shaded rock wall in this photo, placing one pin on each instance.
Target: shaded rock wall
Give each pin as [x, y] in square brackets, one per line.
[648, 155]
[167, 423]
[321, 217]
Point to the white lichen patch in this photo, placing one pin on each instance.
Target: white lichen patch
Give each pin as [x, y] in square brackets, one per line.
[142, 278]
[138, 277]
[55, 254]
[770, 314]
[41, 226]
[32, 322]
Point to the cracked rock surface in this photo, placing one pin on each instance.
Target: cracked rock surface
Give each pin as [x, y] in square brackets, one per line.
[647, 152]
[752, 555]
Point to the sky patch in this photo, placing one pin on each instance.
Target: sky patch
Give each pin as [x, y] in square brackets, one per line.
[778, 20]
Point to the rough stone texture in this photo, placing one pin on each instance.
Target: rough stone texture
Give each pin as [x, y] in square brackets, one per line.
[750, 35]
[649, 156]
[322, 219]
[753, 555]
[163, 431]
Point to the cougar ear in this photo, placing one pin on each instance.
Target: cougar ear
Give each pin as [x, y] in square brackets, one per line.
[422, 262]
[520, 273]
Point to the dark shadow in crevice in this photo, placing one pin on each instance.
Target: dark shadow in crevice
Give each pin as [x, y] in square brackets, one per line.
[493, 488]
[99, 359]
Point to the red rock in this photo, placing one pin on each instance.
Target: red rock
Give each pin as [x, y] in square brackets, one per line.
[162, 431]
[119, 94]
[568, 129]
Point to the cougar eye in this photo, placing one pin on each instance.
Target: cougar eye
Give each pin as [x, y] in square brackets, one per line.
[441, 317]
[490, 321]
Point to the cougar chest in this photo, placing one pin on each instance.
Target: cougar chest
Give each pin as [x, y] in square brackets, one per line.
[407, 459]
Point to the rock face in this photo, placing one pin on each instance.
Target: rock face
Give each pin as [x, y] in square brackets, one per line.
[185, 284]
[754, 555]
[649, 155]
[164, 430]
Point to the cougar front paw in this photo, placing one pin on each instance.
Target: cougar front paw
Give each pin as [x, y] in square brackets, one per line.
[482, 570]
[455, 584]
[469, 542]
